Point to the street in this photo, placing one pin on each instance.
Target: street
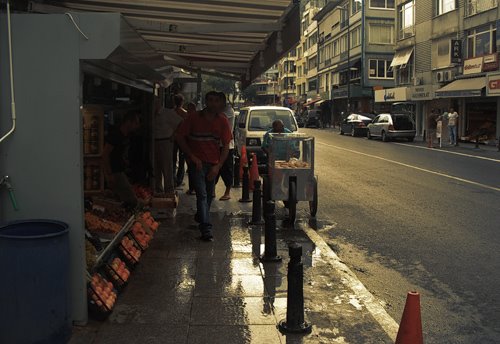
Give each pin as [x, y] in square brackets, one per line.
[404, 217]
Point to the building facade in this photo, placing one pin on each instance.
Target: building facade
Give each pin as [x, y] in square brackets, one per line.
[446, 56]
[287, 75]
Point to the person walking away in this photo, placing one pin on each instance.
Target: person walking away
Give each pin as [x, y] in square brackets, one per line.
[114, 158]
[226, 171]
[452, 126]
[432, 119]
[166, 123]
[200, 137]
[179, 160]
[191, 109]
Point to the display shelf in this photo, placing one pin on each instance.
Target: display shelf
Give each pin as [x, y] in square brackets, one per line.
[116, 240]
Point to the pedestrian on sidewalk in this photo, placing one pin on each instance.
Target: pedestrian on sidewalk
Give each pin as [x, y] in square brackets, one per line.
[432, 119]
[200, 137]
[166, 123]
[452, 126]
[191, 109]
[226, 171]
[115, 158]
[179, 160]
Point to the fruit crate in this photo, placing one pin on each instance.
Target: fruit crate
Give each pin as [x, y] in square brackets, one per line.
[130, 252]
[117, 272]
[101, 296]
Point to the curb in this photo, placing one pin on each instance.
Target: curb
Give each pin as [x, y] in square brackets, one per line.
[349, 279]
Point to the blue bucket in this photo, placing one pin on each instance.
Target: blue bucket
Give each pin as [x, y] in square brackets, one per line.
[34, 288]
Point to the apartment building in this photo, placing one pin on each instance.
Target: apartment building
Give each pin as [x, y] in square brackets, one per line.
[446, 56]
[287, 75]
[268, 87]
[307, 55]
[356, 47]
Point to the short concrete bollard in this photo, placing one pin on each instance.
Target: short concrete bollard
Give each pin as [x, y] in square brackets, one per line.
[271, 252]
[294, 322]
[236, 173]
[245, 190]
[257, 204]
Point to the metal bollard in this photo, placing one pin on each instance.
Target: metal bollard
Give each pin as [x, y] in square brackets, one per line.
[270, 250]
[294, 322]
[236, 173]
[245, 191]
[257, 204]
[498, 145]
[477, 142]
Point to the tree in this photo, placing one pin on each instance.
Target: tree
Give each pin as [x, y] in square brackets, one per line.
[227, 86]
[249, 94]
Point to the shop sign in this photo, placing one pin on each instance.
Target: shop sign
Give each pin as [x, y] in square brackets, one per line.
[493, 85]
[425, 92]
[490, 62]
[388, 95]
[456, 51]
[473, 66]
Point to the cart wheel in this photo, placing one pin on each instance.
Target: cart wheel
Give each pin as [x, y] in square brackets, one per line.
[292, 201]
[313, 205]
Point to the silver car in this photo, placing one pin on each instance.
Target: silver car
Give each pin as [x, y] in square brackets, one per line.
[391, 126]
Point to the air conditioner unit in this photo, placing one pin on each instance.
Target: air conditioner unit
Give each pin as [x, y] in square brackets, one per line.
[440, 76]
[448, 75]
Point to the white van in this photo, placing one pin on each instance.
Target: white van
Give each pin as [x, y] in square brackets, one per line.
[254, 122]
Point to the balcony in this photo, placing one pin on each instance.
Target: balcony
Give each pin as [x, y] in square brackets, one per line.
[473, 7]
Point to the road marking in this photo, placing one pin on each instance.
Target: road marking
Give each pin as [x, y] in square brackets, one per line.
[349, 279]
[415, 167]
[445, 151]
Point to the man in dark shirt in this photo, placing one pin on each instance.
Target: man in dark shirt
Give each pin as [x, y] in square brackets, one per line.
[115, 161]
[432, 120]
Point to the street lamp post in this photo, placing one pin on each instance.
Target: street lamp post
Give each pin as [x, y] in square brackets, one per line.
[345, 10]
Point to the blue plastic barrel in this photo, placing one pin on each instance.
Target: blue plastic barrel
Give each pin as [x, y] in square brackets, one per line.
[34, 282]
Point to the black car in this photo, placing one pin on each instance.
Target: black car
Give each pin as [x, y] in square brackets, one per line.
[355, 124]
[313, 119]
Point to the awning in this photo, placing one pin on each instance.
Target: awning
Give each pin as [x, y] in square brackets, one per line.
[473, 87]
[401, 58]
[310, 102]
[235, 39]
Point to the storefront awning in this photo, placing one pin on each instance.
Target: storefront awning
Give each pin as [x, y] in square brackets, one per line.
[473, 87]
[312, 101]
[233, 39]
[401, 58]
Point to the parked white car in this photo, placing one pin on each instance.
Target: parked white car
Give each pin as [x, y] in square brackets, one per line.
[389, 126]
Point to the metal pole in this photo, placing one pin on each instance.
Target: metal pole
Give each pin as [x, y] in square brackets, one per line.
[270, 250]
[348, 62]
[257, 204]
[245, 190]
[294, 322]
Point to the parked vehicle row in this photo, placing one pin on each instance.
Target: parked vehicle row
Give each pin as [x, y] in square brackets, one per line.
[386, 126]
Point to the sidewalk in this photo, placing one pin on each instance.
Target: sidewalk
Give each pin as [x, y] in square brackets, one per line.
[188, 291]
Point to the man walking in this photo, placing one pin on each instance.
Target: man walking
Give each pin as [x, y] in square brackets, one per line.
[226, 171]
[452, 126]
[201, 137]
[115, 161]
[166, 123]
[432, 119]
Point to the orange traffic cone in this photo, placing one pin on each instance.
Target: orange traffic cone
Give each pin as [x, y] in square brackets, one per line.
[243, 160]
[410, 328]
[254, 171]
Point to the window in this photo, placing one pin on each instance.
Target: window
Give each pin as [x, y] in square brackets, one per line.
[405, 75]
[312, 85]
[382, 4]
[441, 53]
[482, 41]
[327, 85]
[335, 79]
[355, 6]
[343, 44]
[356, 37]
[379, 69]
[445, 6]
[477, 6]
[336, 48]
[312, 62]
[381, 34]
[406, 20]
